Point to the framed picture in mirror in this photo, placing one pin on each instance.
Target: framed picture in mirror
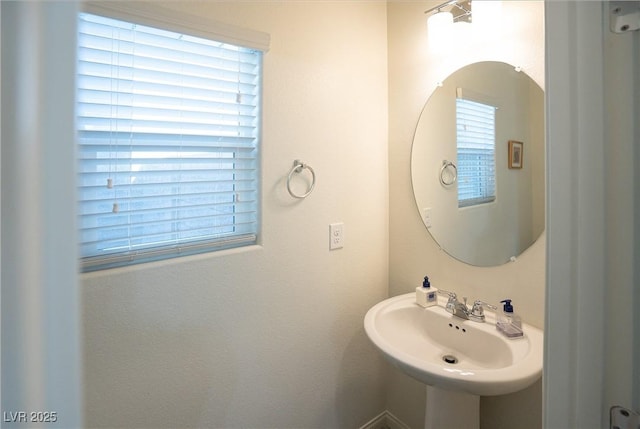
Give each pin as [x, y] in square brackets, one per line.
[515, 154]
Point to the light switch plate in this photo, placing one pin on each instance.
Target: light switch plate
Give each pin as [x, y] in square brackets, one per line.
[336, 236]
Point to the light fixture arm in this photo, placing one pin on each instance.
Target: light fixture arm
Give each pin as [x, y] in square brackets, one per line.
[460, 9]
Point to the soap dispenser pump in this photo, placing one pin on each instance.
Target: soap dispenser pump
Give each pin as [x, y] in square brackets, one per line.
[426, 296]
[509, 323]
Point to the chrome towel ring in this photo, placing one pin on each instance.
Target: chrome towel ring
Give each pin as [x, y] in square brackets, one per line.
[298, 166]
[448, 173]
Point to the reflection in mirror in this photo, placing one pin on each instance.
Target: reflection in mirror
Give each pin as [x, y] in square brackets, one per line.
[481, 202]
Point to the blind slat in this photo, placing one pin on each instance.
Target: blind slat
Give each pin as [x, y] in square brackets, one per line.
[144, 140]
[168, 128]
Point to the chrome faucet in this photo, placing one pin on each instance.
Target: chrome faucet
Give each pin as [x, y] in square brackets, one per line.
[454, 306]
[477, 311]
[460, 309]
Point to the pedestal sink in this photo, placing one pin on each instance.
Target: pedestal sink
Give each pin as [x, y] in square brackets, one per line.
[453, 356]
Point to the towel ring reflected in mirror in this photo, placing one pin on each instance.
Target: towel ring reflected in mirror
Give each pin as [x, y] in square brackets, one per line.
[448, 173]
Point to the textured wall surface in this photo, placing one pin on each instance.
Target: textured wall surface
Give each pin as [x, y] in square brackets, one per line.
[270, 336]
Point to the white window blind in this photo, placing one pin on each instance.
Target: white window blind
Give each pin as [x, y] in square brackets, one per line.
[168, 128]
[476, 152]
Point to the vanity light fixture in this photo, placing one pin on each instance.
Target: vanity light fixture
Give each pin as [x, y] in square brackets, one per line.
[485, 13]
[459, 10]
[441, 19]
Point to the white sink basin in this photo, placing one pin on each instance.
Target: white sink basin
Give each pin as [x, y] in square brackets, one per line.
[418, 340]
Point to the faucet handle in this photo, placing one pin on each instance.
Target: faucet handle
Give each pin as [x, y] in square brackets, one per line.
[477, 311]
[478, 305]
[452, 295]
[451, 302]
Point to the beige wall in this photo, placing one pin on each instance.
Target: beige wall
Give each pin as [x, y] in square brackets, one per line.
[270, 336]
[413, 73]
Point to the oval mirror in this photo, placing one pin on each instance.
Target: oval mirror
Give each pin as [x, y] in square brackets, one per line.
[477, 163]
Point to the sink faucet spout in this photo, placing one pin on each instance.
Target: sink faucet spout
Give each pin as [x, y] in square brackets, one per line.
[460, 310]
[454, 306]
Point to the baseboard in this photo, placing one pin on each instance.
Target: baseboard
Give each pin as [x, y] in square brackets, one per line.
[385, 420]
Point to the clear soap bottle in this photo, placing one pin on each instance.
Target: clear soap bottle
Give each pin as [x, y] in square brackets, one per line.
[509, 323]
[426, 296]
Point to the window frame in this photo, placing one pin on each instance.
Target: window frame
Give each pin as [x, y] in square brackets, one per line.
[178, 22]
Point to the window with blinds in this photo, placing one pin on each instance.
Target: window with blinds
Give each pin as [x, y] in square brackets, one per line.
[168, 129]
[475, 123]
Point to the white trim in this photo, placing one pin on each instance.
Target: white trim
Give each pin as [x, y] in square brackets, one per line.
[151, 14]
[378, 422]
[622, 106]
[395, 423]
[385, 420]
[574, 361]
[41, 322]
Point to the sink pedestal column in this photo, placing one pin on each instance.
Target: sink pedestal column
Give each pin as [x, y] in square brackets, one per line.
[446, 409]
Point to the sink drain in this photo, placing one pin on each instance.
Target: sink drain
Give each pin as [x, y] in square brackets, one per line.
[450, 359]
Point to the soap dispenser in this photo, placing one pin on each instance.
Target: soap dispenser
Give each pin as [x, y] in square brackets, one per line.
[509, 323]
[426, 296]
